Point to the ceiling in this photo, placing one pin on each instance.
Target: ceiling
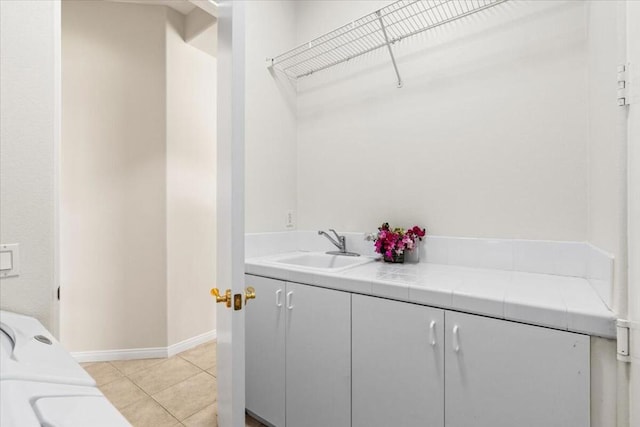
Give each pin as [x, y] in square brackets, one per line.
[182, 6]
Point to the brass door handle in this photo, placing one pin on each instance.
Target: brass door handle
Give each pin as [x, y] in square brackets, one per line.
[226, 298]
[249, 293]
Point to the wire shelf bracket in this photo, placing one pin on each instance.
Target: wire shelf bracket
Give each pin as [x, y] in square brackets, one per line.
[386, 39]
[384, 27]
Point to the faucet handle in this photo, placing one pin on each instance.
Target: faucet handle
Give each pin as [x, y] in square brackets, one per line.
[340, 241]
[339, 237]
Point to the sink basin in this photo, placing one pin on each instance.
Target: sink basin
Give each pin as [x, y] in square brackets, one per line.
[322, 261]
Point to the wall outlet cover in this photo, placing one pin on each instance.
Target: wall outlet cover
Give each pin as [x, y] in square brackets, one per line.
[290, 220]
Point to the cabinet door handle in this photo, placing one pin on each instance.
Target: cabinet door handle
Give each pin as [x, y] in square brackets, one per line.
[432, 333]
[289, 295]
[456, 339]
[278, 293]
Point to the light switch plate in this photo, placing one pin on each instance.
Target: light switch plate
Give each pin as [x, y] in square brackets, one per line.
[6, 261]
[9, 260]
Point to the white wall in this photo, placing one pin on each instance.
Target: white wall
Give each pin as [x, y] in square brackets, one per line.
[29, 128]
[487, 138]
[270, 116]
[191, 185]
[138, 179]
[607, 139]
[498, 132]
[113, 201]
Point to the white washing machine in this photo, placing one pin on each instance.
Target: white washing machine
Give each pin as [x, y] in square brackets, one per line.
[36, 404]
[28, 351]
[42, 385]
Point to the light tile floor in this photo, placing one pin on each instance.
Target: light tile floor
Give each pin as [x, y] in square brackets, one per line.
[179, 391]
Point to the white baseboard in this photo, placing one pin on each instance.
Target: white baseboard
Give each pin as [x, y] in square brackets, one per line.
[124, 354]
[144, 353]
[189, 343]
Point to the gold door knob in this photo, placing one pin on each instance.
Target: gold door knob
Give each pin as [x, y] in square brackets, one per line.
[226, 298]
[249, 293]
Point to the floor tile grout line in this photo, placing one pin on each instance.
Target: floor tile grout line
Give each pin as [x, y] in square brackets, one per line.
[188, 416]
[191, 363]
[186, 379]
[166, 409]
[114, 366]
[132, 403]
[169, 386]
[151, 397]
[135, 385]
[112, 381]
[160, 360]
[187, 360]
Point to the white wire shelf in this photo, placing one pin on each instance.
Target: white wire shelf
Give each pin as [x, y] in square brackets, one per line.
[384, 27]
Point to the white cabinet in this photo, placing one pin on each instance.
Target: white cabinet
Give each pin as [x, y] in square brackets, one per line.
[265, 350]
[503, 374]
[398, 363]
[318, 336]
[318, 357]
[298, 354]
[479, 372]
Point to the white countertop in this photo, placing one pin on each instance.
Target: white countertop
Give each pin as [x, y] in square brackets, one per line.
[559, 302]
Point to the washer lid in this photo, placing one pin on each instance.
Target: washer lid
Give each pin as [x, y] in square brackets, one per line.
[38, 404]
[78, 411]
[32, 353]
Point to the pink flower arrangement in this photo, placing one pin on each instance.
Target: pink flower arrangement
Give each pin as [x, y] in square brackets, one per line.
[392, 243]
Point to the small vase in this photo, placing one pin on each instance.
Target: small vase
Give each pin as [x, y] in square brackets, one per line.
[396, 258]
[413, 256]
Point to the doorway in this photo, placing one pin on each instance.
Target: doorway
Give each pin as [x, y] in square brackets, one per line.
[138, 188]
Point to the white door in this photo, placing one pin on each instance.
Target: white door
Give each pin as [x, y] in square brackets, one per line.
[318, 354]
[230, 213]
[397, 363]
[505, 374]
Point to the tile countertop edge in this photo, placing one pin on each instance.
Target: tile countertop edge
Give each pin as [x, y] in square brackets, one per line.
[595, 320]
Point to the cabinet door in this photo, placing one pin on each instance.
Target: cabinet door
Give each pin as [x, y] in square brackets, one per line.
[398, 363]
[318, 334]
[505, 374]
[265, 350]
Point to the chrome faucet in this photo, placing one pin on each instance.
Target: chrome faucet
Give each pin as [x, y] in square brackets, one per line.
[340, 242]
